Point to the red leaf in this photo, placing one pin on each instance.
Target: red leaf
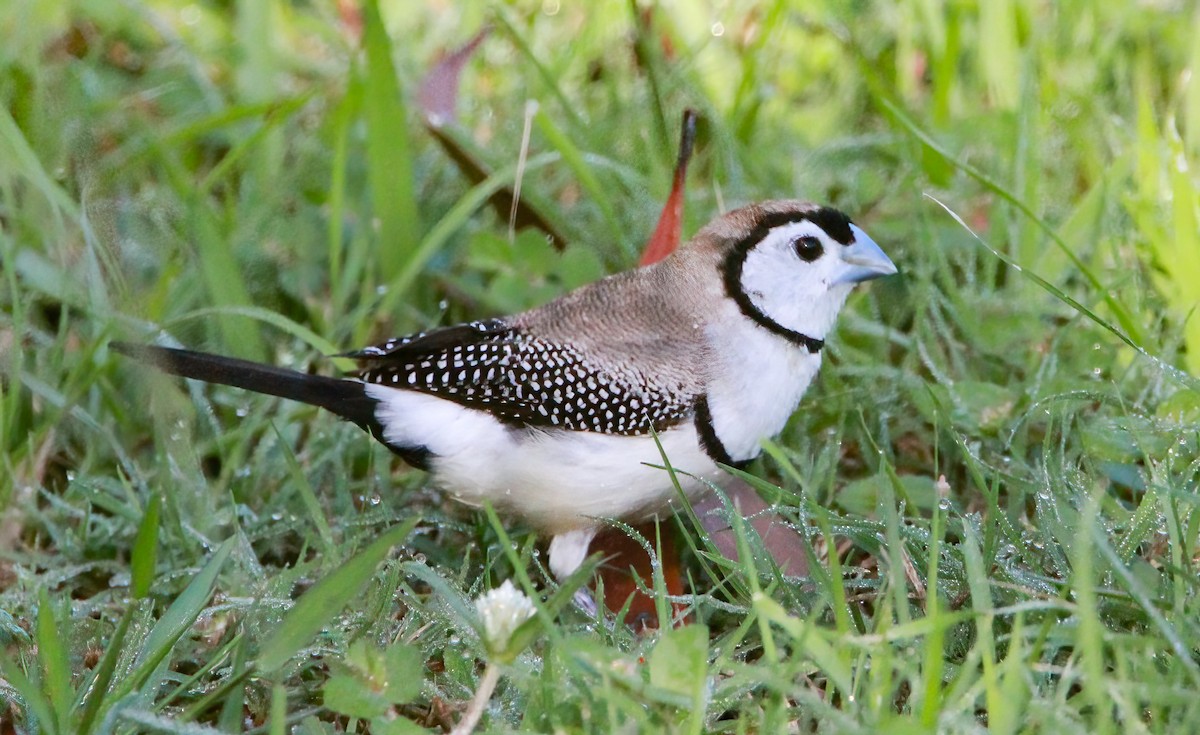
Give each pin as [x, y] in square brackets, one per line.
[670, 223]
[438, 97]
[626, 560]
[780, 540]
[352, 19]
[438, 102]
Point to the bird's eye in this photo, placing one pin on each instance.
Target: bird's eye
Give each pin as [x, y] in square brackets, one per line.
[808, 248]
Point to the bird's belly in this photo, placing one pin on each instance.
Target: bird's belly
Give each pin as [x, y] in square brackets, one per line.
[561, 480]
[557, 480]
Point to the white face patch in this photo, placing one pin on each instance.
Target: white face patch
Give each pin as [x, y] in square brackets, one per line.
[799, 295]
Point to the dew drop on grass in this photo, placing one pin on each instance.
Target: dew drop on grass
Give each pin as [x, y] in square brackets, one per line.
[242, 412]
[944, 504]
[419, 558]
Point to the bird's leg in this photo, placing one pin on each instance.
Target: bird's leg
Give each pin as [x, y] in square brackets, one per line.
[568, 550]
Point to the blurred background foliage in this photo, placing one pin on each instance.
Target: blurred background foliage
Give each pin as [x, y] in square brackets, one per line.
[255, 177]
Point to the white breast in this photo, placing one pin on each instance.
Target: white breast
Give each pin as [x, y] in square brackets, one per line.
[755, 388]
[557, 480]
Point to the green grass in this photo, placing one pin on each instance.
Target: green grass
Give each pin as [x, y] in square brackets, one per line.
[253, 179]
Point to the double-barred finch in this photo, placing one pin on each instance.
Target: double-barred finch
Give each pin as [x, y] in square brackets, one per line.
[553, 414]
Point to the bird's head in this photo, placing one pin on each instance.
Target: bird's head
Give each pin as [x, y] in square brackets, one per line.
[790, 265]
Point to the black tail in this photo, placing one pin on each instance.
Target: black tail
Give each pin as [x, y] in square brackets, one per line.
[346, 398]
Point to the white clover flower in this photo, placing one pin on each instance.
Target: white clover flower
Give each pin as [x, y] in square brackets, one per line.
[502, 611]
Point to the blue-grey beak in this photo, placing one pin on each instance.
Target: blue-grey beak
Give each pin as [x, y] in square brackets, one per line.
[864, 260]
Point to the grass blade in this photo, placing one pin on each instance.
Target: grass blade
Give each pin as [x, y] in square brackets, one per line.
[145, 550]
[176, 620]
[343, 119]
[389, 156]
[37, 707]
[575, 159]
[323, 600]
[1146, 602]
[279, 321]
[16, 152]
[1089, 638]
[450, 223]
[981, 599]
[304, 487]
[934, 663]
[1185, 379]
[1130, 326]
[223, 277]
[52, 653]
[104, 672]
